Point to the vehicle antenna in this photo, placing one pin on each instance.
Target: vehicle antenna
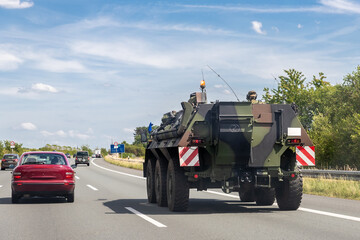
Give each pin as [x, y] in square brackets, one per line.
[224, 82]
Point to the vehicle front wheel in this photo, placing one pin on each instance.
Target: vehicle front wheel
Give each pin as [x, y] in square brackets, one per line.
[150, 181]
[247, 194]
[264, 196]
[177, 188]
[70, 197]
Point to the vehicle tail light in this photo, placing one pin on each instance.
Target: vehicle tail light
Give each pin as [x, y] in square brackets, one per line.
[197, 141]
[295, 141]
[76, 158]
[88, 158]
[16, 160]
[69, 175]
[17, 175]
[3, 160]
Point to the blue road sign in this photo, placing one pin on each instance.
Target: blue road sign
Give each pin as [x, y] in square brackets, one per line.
[119, 149]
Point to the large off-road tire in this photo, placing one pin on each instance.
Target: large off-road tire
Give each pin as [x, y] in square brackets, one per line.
[150, 181]
[247, 194]
[14, 197]
[177, 188]
[160, 183]
[264, 196]
[289, 193]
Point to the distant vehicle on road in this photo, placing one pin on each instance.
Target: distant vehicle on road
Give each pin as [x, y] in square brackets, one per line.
[8, 160]
[68, 155]
[97, 153]
[82, 157]
[43, 174]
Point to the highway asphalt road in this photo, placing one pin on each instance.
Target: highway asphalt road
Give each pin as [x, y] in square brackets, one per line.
[111, 203]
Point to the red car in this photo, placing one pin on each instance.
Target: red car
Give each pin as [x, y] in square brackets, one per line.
[43, 174]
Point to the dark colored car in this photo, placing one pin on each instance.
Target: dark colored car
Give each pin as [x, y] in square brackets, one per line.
[82, 157]
[9, 160]
[43, 174]
[68, 155]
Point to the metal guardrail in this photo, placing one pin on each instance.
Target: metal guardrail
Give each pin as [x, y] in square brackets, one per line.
[337, 174]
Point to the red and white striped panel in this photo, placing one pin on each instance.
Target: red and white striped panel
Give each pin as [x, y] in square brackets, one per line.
[305, 156]
[189, 156]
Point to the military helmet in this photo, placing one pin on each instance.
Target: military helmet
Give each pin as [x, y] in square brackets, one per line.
[251, 95]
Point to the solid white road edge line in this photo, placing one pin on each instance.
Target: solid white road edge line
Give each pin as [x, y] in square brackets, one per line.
[126, 174]
[93, 188]
[330, 214]
[300, 208]
[77, 177]
[237, 197]
[143, 216]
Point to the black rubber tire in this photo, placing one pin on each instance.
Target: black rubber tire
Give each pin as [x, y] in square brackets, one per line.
[177, 188]
[160, 183]
[289, 193]
[150, 181]
[88, 164]
[264, 196]
[247, 194]
[14, 197]
[2, 168]
[70, 197]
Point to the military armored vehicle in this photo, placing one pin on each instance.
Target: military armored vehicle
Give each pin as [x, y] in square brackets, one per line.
[246, 147]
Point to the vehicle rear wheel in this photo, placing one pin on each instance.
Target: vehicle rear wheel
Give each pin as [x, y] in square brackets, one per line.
[264, 196]
[160, 183]
[14, 197]
[70, 197]
[2, 168]
[289, 193]
[177, 188]
[88, 164]
[247, 194]
[150, 182]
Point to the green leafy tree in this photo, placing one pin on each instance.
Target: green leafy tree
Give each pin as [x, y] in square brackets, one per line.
[292, 88]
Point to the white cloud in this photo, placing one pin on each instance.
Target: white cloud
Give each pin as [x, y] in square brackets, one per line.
[8, 61]
[43, 88]
[81, 136]
[276, 29]
[326, 6]
[62, 133]
[129, 130]
[299, 26]
[342, 5]
[256, 26]
[15, 4]
[218, 86]
[28, 126]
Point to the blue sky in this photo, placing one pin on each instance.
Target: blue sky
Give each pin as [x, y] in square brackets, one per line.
[89, 72]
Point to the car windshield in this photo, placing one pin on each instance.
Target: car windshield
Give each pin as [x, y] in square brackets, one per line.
[82, 154]
[10, 157]
[43, 158]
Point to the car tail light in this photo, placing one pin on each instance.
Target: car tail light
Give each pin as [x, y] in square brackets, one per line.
[88, 158]
[69, 175]
[16, 160]
[197, 141]
[76, 158]
[17, 175]
[3, 160]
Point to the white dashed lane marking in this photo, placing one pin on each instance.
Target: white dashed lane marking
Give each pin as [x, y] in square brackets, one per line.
[143, 216]
[91, 187]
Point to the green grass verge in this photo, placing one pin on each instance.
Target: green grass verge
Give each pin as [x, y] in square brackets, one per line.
[133, 165]
[338, 188]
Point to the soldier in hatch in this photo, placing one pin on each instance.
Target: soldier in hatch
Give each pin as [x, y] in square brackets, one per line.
[251, 97]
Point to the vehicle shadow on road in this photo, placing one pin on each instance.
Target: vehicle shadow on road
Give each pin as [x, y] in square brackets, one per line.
[196, 206]
[35, 200]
